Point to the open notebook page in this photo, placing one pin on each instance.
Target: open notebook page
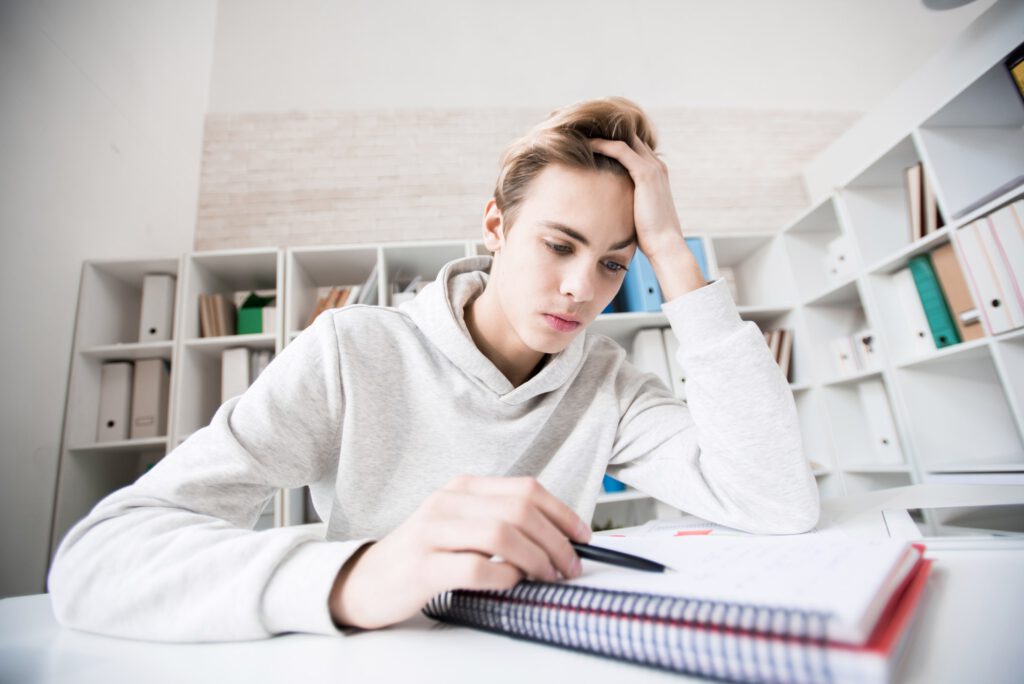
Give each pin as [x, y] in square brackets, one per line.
[850, 579]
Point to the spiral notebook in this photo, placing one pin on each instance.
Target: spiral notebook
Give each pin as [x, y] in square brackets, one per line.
[781, 609]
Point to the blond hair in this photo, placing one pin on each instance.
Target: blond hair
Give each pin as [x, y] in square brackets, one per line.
[562, 139]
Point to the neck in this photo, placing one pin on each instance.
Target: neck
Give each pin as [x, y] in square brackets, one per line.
[495, 338]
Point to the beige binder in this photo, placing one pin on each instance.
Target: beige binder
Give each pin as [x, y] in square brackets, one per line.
[115, 401]
[954, 288]
[149, 398]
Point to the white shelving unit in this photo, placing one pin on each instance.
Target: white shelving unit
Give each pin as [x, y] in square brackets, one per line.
[106, 329]
[958, 411]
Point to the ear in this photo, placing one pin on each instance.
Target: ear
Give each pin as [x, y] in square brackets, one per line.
[494, 227]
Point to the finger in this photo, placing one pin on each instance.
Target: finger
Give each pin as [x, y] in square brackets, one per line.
[518, 511]
[619, 150]
[493, 537]
[467, 570]
[554, 508]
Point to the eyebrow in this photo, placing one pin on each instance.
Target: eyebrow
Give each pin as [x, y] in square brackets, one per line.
[576, 235]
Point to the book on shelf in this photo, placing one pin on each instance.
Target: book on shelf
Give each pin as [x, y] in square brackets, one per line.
[334, 297]
[115, 401]
[149, 398]
[936, 311]
[922, 204]
[810, 608]
[156, 313]
[217, 315]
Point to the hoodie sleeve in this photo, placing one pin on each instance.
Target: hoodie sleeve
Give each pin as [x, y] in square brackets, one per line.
[732, 452]
[173, 557]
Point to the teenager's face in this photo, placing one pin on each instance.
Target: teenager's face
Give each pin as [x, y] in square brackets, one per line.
[565, 257]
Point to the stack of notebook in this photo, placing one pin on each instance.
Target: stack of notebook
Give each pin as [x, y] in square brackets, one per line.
[794, 609]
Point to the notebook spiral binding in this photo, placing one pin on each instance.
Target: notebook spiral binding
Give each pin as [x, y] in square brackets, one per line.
[729, 641]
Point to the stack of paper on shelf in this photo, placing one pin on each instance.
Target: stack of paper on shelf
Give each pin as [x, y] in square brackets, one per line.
[780, 344]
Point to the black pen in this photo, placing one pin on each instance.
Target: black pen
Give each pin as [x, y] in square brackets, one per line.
[612, 557]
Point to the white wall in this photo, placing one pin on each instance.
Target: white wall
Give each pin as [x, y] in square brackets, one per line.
[310, 55]
[101, 118]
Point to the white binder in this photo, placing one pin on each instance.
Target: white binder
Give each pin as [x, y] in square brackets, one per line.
[649, 354]
[1003, 237]
[234, 372]
[918, 334]
[115, 407]
[675, 369]
[156, 318]
[881, 427]
[982, 279]
[149, 399]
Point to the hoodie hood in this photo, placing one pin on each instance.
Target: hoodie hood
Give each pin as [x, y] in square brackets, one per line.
[438, 312]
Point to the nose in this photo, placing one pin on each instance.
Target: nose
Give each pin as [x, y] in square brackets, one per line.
[577, 283]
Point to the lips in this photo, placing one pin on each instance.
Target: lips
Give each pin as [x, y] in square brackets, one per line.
[561, 323]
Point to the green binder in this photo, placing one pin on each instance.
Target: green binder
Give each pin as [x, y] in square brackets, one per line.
[936, 310]
[250, 316]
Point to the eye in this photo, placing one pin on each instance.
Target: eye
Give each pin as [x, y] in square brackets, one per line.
[558, 248]
[614, 267]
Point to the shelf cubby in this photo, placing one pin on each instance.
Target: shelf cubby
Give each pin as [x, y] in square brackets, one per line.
[759, 264]
[875, 203]
[974, 145]
[311, 268]
[958, 413]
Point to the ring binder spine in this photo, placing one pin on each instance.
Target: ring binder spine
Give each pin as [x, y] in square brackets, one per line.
[738, 642]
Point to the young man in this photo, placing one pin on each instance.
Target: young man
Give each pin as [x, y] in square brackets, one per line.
[472, 423]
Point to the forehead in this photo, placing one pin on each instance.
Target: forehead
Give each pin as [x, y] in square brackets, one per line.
[598, 204]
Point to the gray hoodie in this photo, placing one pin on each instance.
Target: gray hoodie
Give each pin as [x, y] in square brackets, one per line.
[374, 409]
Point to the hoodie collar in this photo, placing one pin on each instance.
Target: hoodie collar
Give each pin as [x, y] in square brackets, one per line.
[438, 312]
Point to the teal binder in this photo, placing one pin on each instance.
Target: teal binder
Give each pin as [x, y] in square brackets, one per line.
[936, 310]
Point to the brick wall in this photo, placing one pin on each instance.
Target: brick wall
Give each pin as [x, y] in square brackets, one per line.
[382, 175]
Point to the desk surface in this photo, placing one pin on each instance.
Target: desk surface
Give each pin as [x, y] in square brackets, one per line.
[968, 631]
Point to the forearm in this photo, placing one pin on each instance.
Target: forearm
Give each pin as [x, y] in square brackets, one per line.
[675, 267]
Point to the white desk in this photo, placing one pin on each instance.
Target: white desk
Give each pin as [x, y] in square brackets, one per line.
[969, 631]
